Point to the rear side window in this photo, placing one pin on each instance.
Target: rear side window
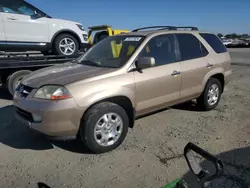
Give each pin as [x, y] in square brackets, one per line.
[214, 42]
[190, 47]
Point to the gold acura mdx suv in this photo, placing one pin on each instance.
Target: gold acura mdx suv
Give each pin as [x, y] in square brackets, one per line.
[98, 96]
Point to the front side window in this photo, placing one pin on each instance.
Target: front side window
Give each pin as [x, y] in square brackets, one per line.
[112, 52]
[162, 48]
[190, 47]
[18, 7]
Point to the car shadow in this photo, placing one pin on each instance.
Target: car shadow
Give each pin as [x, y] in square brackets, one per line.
[4, 94]
[42, 185]
[75, 146]
[18, 136]
[188, 106]
[236, 170]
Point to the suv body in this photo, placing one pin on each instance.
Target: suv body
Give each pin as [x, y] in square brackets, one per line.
[23, 27]
[100, 96]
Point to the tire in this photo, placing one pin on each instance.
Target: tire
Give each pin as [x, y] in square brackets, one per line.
[69, 38]
[89, 125]
[14, 79]
[203, 100]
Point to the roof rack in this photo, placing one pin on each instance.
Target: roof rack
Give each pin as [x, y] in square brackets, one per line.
[166, 28]
[188, 27]
[153, 27]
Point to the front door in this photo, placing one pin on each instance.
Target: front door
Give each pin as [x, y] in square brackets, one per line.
[23, 23]
[159, 85]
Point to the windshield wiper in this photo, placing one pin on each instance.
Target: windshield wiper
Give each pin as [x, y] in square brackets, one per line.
[88, 62]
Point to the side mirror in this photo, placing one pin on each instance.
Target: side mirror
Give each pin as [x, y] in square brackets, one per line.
[145, 62]
[36, 15]
[203, 175]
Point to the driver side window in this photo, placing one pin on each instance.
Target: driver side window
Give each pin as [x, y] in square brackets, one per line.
[162, 48]
[17, 7]
[26, 10]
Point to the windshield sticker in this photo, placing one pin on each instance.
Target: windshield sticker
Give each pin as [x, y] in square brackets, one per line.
[133, 39]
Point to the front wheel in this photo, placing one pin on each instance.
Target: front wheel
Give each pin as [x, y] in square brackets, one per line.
[211, 95]
[66, 44]
[104, 127]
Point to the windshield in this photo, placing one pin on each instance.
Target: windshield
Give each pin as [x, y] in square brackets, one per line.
[112, 52]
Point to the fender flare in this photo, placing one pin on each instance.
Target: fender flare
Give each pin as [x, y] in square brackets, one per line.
[210, 74]
[66, 31]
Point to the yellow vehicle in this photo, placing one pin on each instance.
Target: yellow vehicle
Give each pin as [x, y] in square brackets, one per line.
[101, 32]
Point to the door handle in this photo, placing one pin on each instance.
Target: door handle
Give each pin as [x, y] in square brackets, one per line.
[174, 73]
[12, 18]
[209, 65]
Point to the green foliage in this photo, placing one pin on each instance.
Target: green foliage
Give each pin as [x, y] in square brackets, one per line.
[220, 35]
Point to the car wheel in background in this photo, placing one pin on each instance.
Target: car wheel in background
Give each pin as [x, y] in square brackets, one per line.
[14, 80]
[211, 95]
[104, 127]
[66, 44]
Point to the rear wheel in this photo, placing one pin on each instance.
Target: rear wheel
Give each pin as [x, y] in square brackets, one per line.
[210, 97]
[66, 44]
[14, 80]
[104, 127]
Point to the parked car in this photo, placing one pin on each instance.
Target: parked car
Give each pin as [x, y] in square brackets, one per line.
[227, 42]
[24, 27]
[235, 42]
[98, 96]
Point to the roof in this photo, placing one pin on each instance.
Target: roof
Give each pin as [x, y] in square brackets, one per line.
[145, 31]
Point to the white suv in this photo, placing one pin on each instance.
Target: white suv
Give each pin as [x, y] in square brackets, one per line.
[23, 27]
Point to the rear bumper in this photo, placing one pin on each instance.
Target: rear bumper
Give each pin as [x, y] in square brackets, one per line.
[227, 76]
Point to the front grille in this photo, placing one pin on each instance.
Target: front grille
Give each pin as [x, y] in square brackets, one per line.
[26, 115]
[24, 90]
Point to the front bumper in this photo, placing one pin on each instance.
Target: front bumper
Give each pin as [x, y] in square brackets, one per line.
[84, 47]
[58, 119]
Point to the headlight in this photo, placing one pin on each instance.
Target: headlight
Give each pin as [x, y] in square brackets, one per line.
[52, 92]
[80, 27]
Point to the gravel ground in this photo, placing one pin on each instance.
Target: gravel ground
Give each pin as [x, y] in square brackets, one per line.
[151, 155]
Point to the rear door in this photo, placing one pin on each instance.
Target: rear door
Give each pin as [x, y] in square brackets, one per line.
[193, 65]
[220, 57]
[23, 22]
[159, 85]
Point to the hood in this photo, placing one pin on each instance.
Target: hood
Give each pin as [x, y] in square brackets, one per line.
[56, 21]
[63, 74]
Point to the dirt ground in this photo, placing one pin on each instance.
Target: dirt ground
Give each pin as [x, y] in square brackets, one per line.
[151, 155]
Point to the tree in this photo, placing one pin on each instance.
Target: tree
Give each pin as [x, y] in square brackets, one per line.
[220, 35]
[244, 35]
[232, 36]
